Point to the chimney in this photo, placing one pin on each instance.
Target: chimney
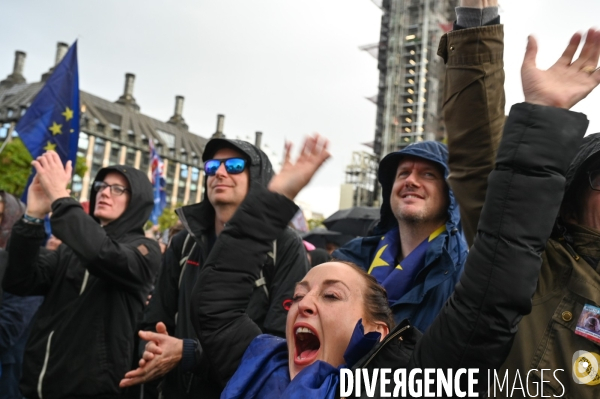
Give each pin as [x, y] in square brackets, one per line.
[177, 118]
[257, 139]
[61, 51]
[127, 98]
[220, 123]
[17, 74]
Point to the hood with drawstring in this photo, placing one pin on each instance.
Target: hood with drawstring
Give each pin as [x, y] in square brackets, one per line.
[429, 150]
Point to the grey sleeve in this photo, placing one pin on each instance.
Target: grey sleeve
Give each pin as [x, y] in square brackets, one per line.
[468, 17]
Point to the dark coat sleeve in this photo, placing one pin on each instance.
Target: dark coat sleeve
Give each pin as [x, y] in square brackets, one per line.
[476, 327]
[30, 270]
[130, 263]
[15, 315]
[226, 283]
[291, 265]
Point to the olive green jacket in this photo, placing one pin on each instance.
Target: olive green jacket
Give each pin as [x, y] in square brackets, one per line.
[546, 340]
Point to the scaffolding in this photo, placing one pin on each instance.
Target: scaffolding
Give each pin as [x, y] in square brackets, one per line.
[410, 73]
[362, 175]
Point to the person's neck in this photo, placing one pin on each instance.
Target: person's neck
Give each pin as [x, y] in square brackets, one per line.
[223, 214]
[413, 234]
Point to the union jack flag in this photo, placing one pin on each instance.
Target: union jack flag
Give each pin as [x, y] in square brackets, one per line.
[159, 183]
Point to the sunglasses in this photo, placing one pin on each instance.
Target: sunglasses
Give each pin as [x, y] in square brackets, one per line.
[115, 189]
[233, 166]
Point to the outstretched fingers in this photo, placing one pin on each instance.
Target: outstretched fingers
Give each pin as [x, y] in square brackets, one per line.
[567, 56]
[589, 52]
[530, 53]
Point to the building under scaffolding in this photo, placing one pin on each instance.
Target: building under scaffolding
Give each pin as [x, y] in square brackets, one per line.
[361, 177]
[410, 73]
[410, 92]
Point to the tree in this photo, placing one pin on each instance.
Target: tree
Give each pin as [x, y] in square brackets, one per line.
[168, 218]
[15, 167]
[314, 223]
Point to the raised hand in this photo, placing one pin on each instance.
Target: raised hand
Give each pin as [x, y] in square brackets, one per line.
[52, 175]
[38, 203]
[566, 82]
[293, 177]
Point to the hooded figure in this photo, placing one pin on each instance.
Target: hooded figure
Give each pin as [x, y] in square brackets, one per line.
[437, 262]
[285, 265]
[95, 286]
[16, 312]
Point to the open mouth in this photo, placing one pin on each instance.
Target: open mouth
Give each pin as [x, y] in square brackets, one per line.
[307, 345]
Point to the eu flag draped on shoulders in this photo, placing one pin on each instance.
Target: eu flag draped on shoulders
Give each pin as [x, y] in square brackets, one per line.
[52, 120]
[159, 183]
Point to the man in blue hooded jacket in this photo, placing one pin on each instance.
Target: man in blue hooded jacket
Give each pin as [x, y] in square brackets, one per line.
[419, 250]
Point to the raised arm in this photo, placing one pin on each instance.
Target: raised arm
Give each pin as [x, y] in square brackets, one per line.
[473, 104]
[525, 191]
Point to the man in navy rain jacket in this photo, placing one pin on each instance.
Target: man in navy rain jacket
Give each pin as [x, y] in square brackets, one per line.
[419, 248]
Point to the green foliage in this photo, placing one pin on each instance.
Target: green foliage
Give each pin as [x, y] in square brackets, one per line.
[80, 166]
[168, 218]
[15, 166]
[314, 223]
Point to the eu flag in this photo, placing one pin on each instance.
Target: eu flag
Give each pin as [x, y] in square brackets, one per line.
[52, 120]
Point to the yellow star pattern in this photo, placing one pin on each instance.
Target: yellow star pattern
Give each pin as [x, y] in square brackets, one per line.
[55, 128]
[50, 146]
[68, 114]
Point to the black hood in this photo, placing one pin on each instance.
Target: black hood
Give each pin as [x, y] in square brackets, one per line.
[261, 170]
[590, 146]
[197, 218]
[140, 203]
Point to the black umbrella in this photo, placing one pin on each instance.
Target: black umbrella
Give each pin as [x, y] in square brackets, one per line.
[355, 221]
[319, 237]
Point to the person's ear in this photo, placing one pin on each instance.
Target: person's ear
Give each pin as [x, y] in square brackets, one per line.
[378, 326]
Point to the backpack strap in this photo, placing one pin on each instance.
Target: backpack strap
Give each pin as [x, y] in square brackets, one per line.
[185, 256]
[262, 280]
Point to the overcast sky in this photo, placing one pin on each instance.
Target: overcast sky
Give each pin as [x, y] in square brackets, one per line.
[286, 68]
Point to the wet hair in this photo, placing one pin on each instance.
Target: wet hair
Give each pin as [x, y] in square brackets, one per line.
[377, 307]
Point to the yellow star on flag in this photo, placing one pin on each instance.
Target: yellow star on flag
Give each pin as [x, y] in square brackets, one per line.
[50, 146]
[55, 128]
[68, 114]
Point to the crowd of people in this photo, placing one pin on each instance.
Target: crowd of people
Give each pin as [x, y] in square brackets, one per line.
[486, 256]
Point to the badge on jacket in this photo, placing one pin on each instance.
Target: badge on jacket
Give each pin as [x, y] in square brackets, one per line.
[588, 325]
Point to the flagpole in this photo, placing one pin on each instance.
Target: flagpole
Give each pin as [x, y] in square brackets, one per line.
[8, 136]
[3, 145]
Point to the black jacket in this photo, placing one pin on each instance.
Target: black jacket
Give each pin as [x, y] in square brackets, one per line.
[476, 327]
[285, 265]
[95, 286]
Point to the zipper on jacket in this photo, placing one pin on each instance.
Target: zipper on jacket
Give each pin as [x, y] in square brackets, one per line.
[85, 280]
[388, 339]
[45, 366]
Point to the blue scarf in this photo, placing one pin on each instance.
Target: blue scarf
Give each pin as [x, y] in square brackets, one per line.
[264, 371]
[397, 278]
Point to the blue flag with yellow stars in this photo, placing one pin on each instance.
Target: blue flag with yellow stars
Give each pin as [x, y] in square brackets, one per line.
[52, 120]
[396, 277]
